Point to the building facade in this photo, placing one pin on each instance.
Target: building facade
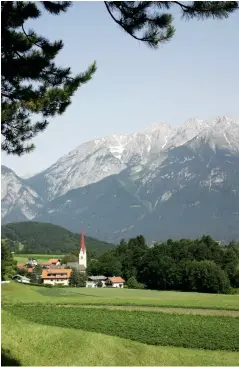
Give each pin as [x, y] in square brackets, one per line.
[56, 276]
[93, 281]
[115, 282]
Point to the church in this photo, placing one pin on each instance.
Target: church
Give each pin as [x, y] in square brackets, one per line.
[61, 275]
[82, 263]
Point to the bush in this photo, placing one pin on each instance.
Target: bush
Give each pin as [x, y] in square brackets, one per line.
[133, 284]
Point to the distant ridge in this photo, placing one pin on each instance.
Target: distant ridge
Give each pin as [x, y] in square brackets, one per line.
[46, 238]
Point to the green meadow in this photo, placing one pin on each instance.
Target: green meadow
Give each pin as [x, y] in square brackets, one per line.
[22, 258]
[108, 327]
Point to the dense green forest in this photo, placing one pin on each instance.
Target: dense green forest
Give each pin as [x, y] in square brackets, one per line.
[201, 265]
[46, 238]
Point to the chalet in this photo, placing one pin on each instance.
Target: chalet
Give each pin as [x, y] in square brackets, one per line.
[24, 266]
[56, 276]
[93, 281]
[56, 262]
[115, 282]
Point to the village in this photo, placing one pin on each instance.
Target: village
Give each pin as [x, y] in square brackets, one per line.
[56, 273]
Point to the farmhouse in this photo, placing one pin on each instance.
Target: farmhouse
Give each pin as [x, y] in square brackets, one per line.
[55, 262]
[24, 266]
[93, 281]
[56, 276]
[115, 282]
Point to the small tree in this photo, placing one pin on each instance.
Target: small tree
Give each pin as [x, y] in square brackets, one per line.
[82, 280]
[69, 258]
[24, 272]
[134, 284]
[74, 278]
[36, 275]
[8, 264]
[99, 284]
[77, 278]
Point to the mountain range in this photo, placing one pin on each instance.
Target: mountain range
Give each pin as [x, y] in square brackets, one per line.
[163, 182]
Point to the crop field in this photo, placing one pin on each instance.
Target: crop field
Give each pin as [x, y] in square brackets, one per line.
[187, 329]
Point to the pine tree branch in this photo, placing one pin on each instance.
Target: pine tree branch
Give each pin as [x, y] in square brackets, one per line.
[218, 9]
[28, 37]
[36, 44]
[119, 23]
[5, 95]
[183, 6]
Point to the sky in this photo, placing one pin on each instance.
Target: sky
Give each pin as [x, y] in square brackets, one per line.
[194, 75]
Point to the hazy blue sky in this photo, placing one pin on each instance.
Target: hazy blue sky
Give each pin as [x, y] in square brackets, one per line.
[195, 75]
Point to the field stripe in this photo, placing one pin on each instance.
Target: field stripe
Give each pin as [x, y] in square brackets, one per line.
[175, 310]
[188, 331]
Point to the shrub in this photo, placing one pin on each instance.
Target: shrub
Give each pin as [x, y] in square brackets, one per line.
[205, 276]
[133, 284]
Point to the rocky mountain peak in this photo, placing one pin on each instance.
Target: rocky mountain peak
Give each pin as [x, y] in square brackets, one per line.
[125, 183]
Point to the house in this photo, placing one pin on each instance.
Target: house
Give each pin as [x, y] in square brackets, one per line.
[55, 262]
[92, 281]
[24, 266]
[115, 282]
[56, 276]
[21, 266]
[31, 262]
[21, 279]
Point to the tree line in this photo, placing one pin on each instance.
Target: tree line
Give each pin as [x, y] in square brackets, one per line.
[200, 265]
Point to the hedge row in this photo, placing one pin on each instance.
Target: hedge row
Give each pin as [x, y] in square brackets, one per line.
[189, 331]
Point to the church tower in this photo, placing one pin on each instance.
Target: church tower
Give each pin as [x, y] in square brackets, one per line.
[82, 254]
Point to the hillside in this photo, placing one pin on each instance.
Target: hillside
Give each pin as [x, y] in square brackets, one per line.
[46, 238]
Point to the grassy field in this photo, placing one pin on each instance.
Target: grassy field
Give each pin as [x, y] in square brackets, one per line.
[22, 258]
[96, 333]
[111, 296]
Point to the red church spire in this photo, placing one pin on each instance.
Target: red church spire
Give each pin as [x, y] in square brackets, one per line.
[83, 242]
